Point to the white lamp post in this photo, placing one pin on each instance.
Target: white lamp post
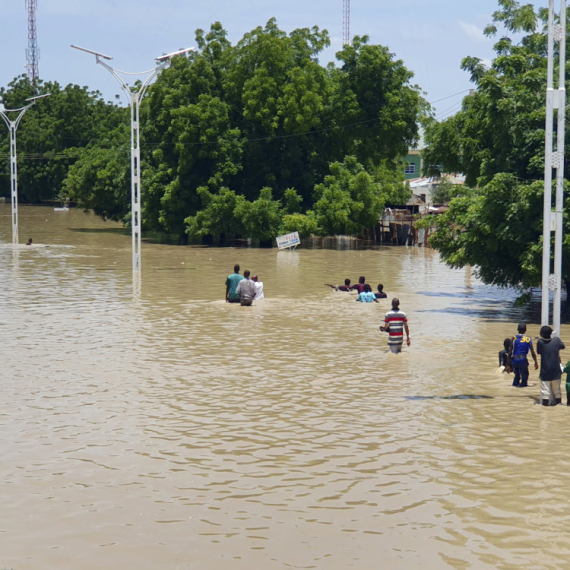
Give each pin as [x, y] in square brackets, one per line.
[555, 99]
[134, 98]
[13, 127]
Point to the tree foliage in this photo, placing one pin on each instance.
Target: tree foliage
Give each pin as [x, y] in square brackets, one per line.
[247, 138]
[52, 133]
[497, 141]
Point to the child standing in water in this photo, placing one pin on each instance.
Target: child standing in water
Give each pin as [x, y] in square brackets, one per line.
[504, 354]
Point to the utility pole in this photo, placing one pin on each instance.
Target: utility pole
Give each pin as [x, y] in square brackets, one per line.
[12, 128]
[134, 98]
[555, 99]
[33, 51]
[346, 23]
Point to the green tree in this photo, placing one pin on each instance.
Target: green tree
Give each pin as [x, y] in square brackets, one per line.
[500, 127]
[51, 134]
[261, 218]
[497, 140]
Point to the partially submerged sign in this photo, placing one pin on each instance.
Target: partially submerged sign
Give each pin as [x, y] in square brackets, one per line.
[288, 240]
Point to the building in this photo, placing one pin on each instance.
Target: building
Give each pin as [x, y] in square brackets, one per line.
[413, 165]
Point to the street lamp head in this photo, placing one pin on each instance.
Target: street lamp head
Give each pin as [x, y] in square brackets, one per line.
[38, 97]
[171, 55]
[95, 53]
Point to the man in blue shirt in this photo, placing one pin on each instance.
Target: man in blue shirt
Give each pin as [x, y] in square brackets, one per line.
[517, 358]
[231, 285]
[367, 296]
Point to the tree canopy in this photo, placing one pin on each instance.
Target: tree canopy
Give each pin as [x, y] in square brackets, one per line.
[497, 141]
[258, 133]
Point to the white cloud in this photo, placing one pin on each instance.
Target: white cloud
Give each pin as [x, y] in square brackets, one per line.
[473, 32]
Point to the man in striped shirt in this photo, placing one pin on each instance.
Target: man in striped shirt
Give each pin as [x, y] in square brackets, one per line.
[396, 323]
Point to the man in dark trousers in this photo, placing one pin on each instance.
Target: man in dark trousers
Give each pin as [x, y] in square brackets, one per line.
[517, 360]
[550, 371]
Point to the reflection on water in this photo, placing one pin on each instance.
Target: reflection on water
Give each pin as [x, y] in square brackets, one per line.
[167, 429]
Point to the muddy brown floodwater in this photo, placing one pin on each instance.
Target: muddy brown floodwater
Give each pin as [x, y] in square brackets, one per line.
[172, 430]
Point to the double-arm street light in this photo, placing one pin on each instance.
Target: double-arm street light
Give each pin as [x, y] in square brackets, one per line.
[553, 221]
[13, 127]
[134, 98]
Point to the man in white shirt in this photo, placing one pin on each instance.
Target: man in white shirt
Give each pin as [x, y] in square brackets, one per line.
[258, 289]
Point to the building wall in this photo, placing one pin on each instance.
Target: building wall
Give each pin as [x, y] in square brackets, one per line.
[412, 165]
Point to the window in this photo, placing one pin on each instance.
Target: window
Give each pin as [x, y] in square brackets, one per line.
[410, 168]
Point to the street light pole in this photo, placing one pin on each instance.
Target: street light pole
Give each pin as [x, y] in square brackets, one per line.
[134, 98]
[555, 99]
[12, 128]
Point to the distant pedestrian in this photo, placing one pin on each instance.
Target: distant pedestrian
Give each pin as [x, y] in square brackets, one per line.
[29, 241]
[517, 360]
[367, 296]
[380, 293]
[246, 290]
[231, 286]
[550, 370]
[396, 322]
[259, 296]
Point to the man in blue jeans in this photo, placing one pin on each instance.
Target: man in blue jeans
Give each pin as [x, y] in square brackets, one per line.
[517, 358]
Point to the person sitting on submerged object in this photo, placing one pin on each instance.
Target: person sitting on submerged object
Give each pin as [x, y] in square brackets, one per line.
[367, 296]
[345, 287]
[380, 294]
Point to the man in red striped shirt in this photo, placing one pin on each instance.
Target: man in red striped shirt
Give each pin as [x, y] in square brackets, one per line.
[396, 323]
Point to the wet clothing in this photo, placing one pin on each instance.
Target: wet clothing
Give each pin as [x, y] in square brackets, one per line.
[520, 370]
[259, 296]
[503, 355]
[345, 288]
[368, 297]
[520, 347]
[359, 287]
[395, 320]
[232, 282]
[246, 291]
[379, 295]
[549, 350]
[550, 394]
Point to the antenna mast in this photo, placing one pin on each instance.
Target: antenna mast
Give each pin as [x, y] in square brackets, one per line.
[346, 23]
[33, 52]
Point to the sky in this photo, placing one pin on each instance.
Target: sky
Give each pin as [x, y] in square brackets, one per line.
[430, 36]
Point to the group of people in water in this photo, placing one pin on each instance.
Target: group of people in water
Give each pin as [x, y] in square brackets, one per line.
[242, 289]
[514, 358]
[365, 293]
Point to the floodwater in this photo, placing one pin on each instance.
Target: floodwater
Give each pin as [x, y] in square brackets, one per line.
[171, 430]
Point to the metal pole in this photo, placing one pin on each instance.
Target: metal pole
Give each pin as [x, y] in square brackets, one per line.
[12, 128]
[134, 98]
[560, 35]
[135, 183]
[546, 223]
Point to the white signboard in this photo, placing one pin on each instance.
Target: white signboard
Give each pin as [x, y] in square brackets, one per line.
[288, 240]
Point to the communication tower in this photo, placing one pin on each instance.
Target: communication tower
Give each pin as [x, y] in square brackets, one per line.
[346, 23]
[33, 51]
